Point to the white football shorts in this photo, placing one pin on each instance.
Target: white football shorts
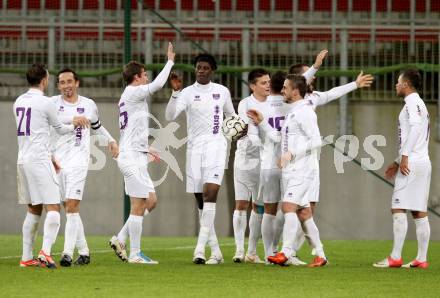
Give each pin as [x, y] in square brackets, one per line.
[411, 192]
[205, 163]
[72, 181]
[37, 183]
[270, 188]
[300, 187]
[246, 185]
[314, 192]
[134, 167]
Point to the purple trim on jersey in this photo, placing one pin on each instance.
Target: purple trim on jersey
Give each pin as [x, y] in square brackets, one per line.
[124, 115]
[23, 111]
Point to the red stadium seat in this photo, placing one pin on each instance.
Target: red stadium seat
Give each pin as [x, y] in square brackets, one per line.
[323, 5]
[225, 5]
[264, 5]
[33, 4]
[435, 5]
[72, 4]
[53, 4]
[303, 5]
[283, 5]
[381, 5]
[206, 5]
[13, 4]
[245, 5]
[91, 4]
[401, 5]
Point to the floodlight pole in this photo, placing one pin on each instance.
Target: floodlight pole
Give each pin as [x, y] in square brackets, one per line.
[343, 102]
[127, 58]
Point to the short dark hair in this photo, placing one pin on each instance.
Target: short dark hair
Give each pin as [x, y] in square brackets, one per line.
[277, 81]
[131, 69]
[36, 73]
[64, 70]
[413, 76]
[255, 74]
[297, 68]
[205, 57]
[298, 82]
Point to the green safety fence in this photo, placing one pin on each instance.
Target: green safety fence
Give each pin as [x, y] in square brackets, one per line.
[425, 67]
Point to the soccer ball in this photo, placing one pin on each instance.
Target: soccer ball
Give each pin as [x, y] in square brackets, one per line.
[233, 128]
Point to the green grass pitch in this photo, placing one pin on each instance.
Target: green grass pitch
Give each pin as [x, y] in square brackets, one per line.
[349, 273]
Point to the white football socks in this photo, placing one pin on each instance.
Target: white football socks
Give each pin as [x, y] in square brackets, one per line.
[51, 227]
[70, 233]
[291, 224]
[312, 231]
[212, 238]
[206, 225]
[135, 232]
[267, 233]
[81, 242]
[239, 222]
[278, 229]
[423, 232]
[400, 226]
[299, 239]
[29, 229]
[123, 233]
[254, 232]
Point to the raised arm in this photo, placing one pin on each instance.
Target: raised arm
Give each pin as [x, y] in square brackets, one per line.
[310, 73]
[162, 77]
[322, 98]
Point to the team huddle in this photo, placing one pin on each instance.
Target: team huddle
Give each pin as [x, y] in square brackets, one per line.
[276, 165]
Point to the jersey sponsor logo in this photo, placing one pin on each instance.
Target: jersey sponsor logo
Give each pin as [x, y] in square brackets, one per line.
[61, 109]
[216, 96]
[197, 98]
[80, 110]
[216, 126]
[78, 136]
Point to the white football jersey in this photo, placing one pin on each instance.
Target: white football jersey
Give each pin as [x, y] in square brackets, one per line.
[34, 115]
[73, 149]
[204, 106]
[300, 135]
[134, 113]
[414, 112]
[247, 155]
[274, 110]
